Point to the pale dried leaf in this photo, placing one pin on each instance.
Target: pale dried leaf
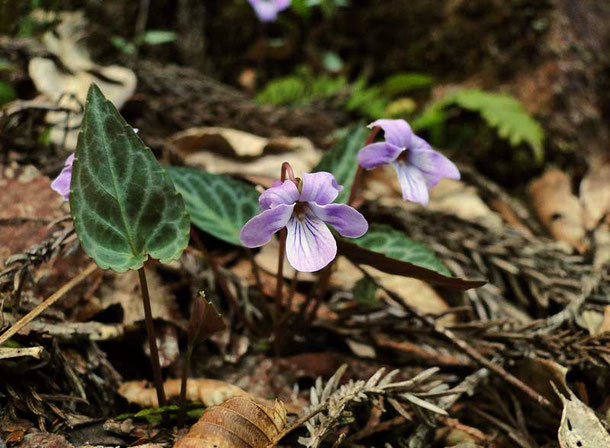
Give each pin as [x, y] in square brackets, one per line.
[558, 209]
[225, 150]
[595, 195]
[206, 391]
[69, 89]
[124, 290]
[580, 427]
[237, 423]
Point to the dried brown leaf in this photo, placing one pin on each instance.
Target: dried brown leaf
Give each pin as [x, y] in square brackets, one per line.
[225, 150]
[237, 423]
[595, 195]
[580, 427]
[558, 209]
[209, 392]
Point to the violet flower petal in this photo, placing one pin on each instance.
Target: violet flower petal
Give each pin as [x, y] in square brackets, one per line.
[284, 193]
[259, 229]
[267, 10]
[412, 183]
[61, 184]
[321, 188]
[397, 132]
[348, 221]
[309, 244]
[433, 164]
[377, 154]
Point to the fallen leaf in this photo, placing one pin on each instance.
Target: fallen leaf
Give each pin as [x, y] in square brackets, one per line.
[595, 195]
[416, 293]
[27, 206]
[209, 392]
[237, 423]
[224, 150]
[558, 209]
[580, 427]
[124, 290]
[448, 196]
[68, 88]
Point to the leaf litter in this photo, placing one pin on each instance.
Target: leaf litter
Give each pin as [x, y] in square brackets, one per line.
[542, 314]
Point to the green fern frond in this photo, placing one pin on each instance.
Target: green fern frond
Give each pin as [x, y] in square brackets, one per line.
[501, 111]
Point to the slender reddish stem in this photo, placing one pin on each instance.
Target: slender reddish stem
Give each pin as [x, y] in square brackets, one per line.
[186, 367]
[152, 340]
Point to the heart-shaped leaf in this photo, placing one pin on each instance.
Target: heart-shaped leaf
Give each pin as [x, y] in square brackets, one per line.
[217, 204]
[342, 160]
[389, 250]
[124, 204]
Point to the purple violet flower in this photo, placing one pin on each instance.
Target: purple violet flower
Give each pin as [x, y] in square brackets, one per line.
[419, 167]
[61, 184]
[305, 212]
[267, 10]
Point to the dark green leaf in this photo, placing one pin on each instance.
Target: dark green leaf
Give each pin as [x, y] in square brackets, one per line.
[217, 204]
[124, 204]
[342, 160]
[389, 250]
[395, 244]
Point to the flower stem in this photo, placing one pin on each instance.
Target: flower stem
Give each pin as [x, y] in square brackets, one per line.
[152, 340]
[360, 171]
[278, 292]
[186, 368]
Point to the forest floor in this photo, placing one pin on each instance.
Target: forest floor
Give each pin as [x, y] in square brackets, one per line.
[520, 359]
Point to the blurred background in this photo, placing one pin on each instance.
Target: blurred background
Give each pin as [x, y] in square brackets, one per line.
[521, 82]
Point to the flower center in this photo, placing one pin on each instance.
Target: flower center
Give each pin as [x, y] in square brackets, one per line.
[403, 157]
[300, 210]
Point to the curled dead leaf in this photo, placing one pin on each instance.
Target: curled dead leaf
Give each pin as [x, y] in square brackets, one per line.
[209, 392]
[67, 83]
[225, 150]
[558, 209]
[237, 423]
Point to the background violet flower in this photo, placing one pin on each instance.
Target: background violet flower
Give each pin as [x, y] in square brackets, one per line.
[418, 166]
[61, 184]
[306, 214]
[267, 10]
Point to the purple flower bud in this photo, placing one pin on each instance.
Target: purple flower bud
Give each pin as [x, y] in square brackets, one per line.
[418, 166]
[267, 10]
[61, 184]
[306, 214]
